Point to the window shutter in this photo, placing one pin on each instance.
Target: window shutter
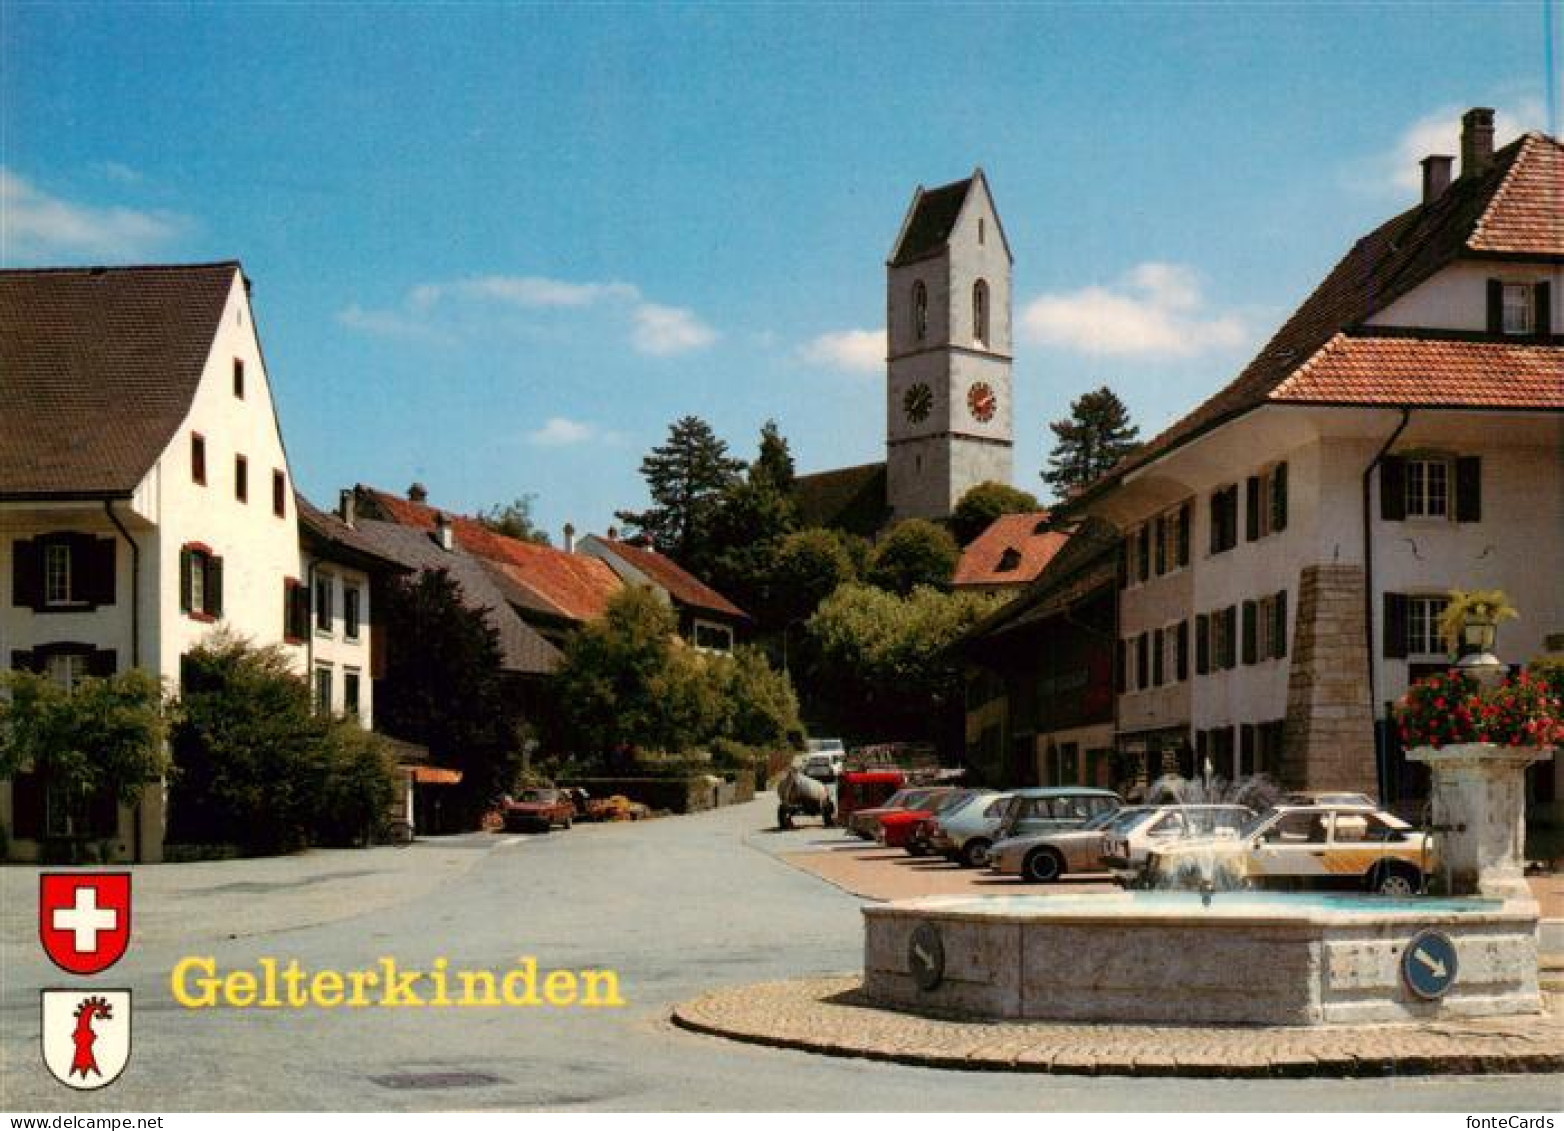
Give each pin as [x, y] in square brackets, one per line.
[22, 661]
[1158, 663]
[96, 581]
[26, 574]
[1202, 743]
[1120, 664]
[1469, 489]
[1184, 516]
[1230, 653]
[214, 587]
[1251, 631]
[1202, 644]
[1279, 498]
[1159, 529]
[1215, 540]
[1142, 661]
[1393, 489]
[103, 662]
[1542, 317]
[1395, 647]
[1252, 508]
[1124, 564]
[1143, 552]
[1495, 306]
[1279, 632]
[1181, 651]
[1246, 745]
[186, 566]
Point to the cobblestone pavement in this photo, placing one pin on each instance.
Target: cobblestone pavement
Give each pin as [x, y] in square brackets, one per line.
[830, 1016]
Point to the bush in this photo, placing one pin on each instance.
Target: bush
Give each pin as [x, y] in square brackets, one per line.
[1448, 708]
[916, 552]
[358, 788]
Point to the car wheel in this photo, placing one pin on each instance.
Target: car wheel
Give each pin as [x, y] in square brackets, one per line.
[1396, 881]
[1042, 866]
[974, 854]
[784, 817]
[827, 814]
[569, 821]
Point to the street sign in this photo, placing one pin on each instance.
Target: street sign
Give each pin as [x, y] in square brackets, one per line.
[926, 956]
[1429, 965]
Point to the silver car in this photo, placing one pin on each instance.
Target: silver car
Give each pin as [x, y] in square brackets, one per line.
[1128, 844]
[1043, 858]
[965, 834]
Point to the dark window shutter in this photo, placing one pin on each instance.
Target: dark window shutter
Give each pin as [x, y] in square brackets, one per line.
[103, 662]
[1542, 317]
[95, 582]
[1395, 626]
[1246, 745]
[1230, 655]
[1252, 508]
[26, 574]
[1495, 306]
[1279, 498]
[1142, 661]
[1202, 644]
[1202, 742]
[1393, 489]
[214, 586]
[1143, 552]
[22, 661]
[1215, 540]
[186, 566]
[1181, 651]
[1469, 489]
[1184, 516]
[1279, 632]
[1251, 631]
[1120, 663]
[1159, 532]
[1158, 664]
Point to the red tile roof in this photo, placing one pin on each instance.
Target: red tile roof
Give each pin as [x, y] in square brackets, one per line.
[1012, 540]
[573, 585]
[680, 584]
[1419, 371]
[1527, 213]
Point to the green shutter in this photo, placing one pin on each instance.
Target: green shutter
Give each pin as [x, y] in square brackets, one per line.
[1251, 631]
[1279, 498]
[1252, 508]
[1495, 306]
[1184, 516]
[1279, 632]
[1202, 644]
[26, 574]
[1393, 489]
[1395, 627]
[214, 586]
[1469, 489]
[186, 568]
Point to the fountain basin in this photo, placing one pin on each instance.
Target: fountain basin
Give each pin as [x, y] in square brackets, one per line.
[1167, 957]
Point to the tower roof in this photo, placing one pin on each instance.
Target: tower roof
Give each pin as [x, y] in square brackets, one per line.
[929, 222]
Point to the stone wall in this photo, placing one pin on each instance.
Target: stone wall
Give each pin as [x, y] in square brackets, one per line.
[1328, 741]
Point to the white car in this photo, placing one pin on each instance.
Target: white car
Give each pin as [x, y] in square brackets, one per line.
[966, 833]
[1128, 842]
[826, 759]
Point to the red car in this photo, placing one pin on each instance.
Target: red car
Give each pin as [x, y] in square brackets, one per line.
[902, 829]
[866, 822]
[540, 809]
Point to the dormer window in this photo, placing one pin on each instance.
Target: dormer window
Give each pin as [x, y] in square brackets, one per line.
[1009, 561]
[920, 310]
[980, 311]
[1520, 305]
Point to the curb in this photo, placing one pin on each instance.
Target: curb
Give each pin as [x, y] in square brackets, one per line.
[1061, 1049]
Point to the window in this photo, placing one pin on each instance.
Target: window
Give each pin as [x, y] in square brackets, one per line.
[241, 479]
[295, 611]
[920, 310]
[1427, 488]
[198, 458]
[980, 312]
[323, 609]
[351, 595]
[279, 494]
[63, 572]
[1270, 628]
[717, 637]
[981, 231]
[1223, 638]
[1423, 615]
[239, 378]
[1224, 519]
[350, 691]
[200, 582]
[1266, 504]
[67, 669]
[1009, 561]
[1519, 306]
[323, 688]
[57, 574]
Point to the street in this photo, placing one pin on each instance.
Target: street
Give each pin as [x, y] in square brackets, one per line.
[675, 906]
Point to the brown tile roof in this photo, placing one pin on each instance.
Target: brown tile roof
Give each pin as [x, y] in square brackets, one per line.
[573, 586]
[99, 367]
[847, 498]
[1419, 371]
[683, 586]
[1086, 563]
[933, 217]
[326, 535]
[1397, 256]
[1012, 551]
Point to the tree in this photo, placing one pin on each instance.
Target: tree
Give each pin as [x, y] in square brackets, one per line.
[762, 707]
[774, 462]
[979, 507]
[514, 520]
[808, 566]
[1094, 437]
[686, 478]
[444, 688]
[916, 552]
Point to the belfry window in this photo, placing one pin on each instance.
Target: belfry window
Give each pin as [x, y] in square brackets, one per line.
[980, 311]
[920, 310]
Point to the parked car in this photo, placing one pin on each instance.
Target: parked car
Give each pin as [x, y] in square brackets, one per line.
[1127, 842]
[826, 760]
[1287, 846]
[865, 789]
[1042, 858]
[865, 823]
[538, 809]
[1046, 809]
[1329, 797]
[965, 832]
[900, 830]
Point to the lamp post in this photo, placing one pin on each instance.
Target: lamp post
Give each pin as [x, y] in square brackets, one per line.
[1479, 629]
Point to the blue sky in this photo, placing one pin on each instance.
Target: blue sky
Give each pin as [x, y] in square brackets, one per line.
[498, 248]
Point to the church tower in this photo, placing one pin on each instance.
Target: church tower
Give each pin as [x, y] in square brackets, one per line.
[949, 423]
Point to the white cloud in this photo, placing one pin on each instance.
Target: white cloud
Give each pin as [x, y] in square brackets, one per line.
[390, 324]
[855, 351]
[36, 224]
[560, 432]
[522, 291]
[1440, 132]
[1157, 308]
[664, 330]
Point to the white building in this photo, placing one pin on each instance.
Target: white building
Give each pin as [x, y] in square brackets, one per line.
[1289, 543]
[145, 494]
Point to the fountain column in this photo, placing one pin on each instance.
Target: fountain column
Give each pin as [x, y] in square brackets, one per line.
[1479, 808]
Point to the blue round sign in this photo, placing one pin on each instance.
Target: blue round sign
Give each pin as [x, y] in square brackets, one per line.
[1429, 965]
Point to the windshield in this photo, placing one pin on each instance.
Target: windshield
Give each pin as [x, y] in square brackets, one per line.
[950, 802]
[537, 795]
[1123, 820]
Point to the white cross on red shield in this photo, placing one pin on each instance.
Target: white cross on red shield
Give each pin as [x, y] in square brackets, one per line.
[84, 919]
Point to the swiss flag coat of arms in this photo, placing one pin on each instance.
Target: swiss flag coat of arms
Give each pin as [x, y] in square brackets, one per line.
[84, 919]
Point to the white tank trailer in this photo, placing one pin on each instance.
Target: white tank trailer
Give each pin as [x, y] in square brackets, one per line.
[799, 794]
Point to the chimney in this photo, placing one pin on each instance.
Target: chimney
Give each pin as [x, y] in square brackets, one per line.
[570, 538]
[418, 493]
[347, 505]
[1476, 140]
[1436, 176]
[442, 531]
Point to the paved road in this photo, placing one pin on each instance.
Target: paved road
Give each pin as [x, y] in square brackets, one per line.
[676, 906]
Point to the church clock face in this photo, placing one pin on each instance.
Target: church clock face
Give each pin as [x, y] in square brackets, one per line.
[916, 402]
[982, 402]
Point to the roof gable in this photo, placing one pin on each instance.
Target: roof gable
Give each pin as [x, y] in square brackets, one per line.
[684, 587]
[101, 366]
[931, 217]
[1526, 214]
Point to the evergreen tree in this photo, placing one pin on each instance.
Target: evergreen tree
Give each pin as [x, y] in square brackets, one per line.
[752, 517]
[774, 463]
[1095, 436]
[514, 520]
[686, 478]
